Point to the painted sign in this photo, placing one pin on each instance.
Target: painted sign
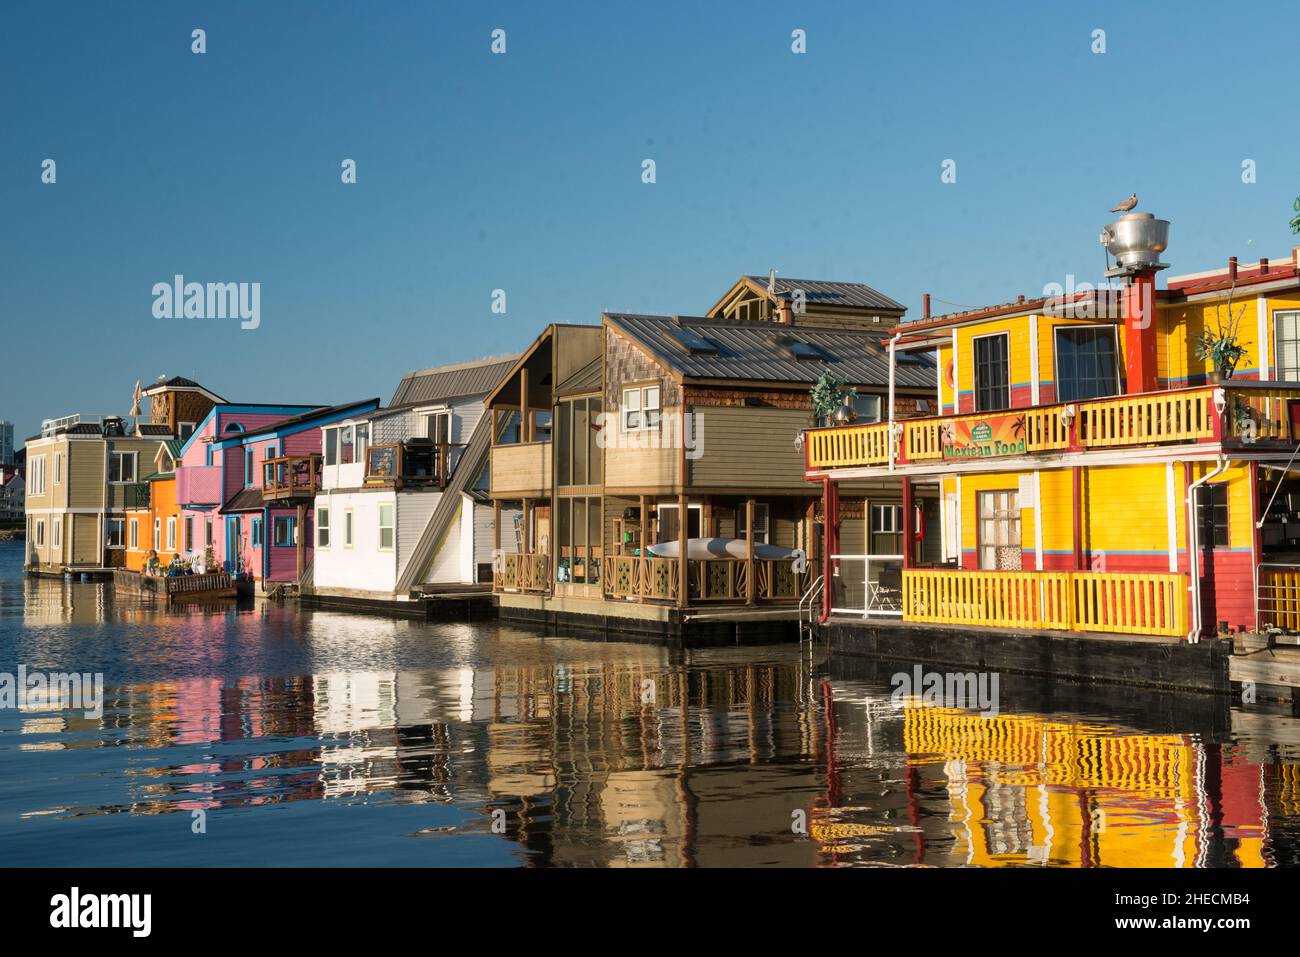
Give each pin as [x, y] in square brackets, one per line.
[984, 438]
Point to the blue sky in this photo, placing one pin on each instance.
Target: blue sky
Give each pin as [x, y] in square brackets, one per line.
[523, 171]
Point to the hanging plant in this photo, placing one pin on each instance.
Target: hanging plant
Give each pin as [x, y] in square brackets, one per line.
[1295, 220]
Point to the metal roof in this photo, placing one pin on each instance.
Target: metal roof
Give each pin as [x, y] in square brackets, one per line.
[761, 351]
[823, 293]
[451, 382]
[587, 379]
[245, 500]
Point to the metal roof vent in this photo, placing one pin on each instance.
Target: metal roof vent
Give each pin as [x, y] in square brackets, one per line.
[1136, 240]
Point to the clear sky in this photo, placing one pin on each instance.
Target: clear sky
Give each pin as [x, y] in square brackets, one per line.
[523, 171]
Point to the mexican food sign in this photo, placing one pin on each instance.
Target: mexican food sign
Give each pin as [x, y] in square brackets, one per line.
[977, 438]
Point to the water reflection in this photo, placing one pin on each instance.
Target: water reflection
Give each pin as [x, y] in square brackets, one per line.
[401, 742]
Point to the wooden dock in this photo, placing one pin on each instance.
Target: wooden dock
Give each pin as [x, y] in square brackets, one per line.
[176, 589]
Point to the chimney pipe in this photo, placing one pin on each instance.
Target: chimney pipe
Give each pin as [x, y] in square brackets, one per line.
[1232, 268]
[1136, 240]
[925, 306]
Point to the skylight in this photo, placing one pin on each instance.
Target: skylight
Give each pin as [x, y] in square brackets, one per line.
[804, 351]
[692, 341]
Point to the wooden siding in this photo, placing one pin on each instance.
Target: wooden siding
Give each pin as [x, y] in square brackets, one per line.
[749, 448]
[521, 468]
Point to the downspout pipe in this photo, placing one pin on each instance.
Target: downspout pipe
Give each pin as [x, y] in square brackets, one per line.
[893, 342]
[1193, 548]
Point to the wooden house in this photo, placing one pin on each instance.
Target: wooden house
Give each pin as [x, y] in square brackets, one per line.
[648, 433]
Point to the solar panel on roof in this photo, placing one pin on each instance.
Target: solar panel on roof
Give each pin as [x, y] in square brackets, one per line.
[693, 342]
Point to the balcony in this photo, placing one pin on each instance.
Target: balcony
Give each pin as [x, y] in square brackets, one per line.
[198, 485]
[291, 477]
[418, 463]
[521, 469]
[521, 572]
[1231, 415]
[136, 495]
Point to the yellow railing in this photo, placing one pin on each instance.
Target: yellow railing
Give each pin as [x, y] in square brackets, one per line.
[851, 445]
[1115, 602]
[1179, 416]
[1279, 596]
[1143, 419]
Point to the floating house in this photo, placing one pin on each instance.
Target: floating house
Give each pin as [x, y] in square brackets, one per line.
[85, 471]
[403, 509]
[155, 524]
[1117, 460]
[244, 487]
[646, 474]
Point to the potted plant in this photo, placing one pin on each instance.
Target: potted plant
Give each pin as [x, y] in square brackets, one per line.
[829, 394]
[1221, 346]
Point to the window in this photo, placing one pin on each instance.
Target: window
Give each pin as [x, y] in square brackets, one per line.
[58, 468]
[347, 528]
[760, 522]
[322, 528]
[867, 407]
[331, 446]
[207, 534]
[347, 446]
[36, 476]
[386, 527]
[115, 529]
[1286, 346]
[184, 430]
[641, 408]
[992, 373]
[40, 532]
[157, 534]
[284, 531]
[578, 451]
[189, 533]
[56, 533]
[135, 533]
[1086, 363]
[886, 530]
[1212, 508]
[255, 533]
[363, 440]
[437, 426]
[121, 468]
[171, 533]
[248, 468]
[999, 529]
[233, 428]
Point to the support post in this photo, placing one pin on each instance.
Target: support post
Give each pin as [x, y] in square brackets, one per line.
[683, 523]
[751, 592]
[523, 405]
[1076, 491]
[909, 523]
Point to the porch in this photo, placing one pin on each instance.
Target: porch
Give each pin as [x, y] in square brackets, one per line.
[291, 477]
[1230, 415]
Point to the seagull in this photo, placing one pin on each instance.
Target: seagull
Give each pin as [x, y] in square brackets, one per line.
[1125, 206]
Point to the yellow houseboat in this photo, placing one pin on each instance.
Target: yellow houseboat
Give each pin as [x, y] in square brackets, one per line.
[1118, 459]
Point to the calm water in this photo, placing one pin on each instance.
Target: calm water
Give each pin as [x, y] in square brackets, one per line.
[319, 738]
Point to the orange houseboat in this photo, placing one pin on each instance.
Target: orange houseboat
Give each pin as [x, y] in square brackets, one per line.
[1115, 460]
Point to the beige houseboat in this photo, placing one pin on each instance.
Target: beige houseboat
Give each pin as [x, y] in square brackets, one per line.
[85, 471]
[645, 473]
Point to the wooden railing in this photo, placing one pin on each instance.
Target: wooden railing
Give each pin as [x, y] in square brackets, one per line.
[1112, 602]
[709, 580]
[1251, 412]
[291, 476]
[521, 571]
